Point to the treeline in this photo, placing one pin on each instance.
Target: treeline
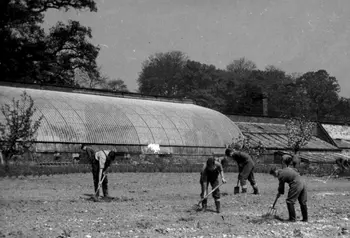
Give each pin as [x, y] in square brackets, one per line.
[241, 88]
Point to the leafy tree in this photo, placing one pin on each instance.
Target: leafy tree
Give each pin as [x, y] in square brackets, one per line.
[18, 131]
[117, 85]
[160, 73]
[28, 54]
[341, 111]
[321, 90]
[300, 131]
[201, 83]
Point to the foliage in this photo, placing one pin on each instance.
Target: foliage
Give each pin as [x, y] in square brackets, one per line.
[18, 132]
[300, 131]
[241, 88]
[202, 84]
[341, 111]
[321, 90]
[29, 54]
[160, 73]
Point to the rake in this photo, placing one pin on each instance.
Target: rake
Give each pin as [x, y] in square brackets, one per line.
[272, 210]
[197, 206]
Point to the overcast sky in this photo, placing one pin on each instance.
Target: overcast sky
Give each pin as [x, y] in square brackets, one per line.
[294, 35]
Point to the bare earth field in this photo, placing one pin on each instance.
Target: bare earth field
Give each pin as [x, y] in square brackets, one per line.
[161, 205]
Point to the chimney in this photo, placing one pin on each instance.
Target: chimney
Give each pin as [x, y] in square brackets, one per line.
[265, 105]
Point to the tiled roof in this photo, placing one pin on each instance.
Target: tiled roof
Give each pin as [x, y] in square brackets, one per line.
[265, 128]
[274, 136]
[338, 131]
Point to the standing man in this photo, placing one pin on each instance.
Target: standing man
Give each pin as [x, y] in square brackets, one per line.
[100, 162]
[297, 190]
[245, 168]
[210, 174]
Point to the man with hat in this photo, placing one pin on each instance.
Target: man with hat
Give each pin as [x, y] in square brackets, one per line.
[210, 175]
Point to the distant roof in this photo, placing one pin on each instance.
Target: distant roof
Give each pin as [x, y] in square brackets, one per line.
[274, 136]
[257, 119]
[313, 157]
[343, 144]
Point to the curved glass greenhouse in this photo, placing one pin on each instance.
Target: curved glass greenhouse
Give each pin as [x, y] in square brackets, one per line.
[71, 118]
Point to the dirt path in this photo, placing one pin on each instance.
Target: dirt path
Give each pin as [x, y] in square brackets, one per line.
[160, 205]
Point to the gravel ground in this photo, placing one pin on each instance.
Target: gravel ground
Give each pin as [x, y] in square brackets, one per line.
[162, 205]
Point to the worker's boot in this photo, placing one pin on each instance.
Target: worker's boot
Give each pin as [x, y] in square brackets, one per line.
[291, 212]
[204, 205]
[256, 190]
[218, 208]
[303, 209]
[105, 191]
[244, 190]
[97, 193]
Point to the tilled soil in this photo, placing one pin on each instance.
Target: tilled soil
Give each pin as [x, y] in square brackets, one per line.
[163, 205]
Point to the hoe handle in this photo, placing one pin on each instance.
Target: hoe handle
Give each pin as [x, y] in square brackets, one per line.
[100, 183]
[206, 196]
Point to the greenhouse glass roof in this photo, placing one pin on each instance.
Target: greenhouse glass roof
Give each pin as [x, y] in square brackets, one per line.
[86, 118]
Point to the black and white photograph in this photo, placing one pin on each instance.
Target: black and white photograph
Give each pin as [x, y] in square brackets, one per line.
[174, 118]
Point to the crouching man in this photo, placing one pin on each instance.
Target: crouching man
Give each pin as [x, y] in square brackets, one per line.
[210, 175]
[245, 168]
[297, 190]
[100, 162]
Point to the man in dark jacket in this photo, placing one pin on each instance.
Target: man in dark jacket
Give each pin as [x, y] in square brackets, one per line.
[210, 174]
[289, 160]
[245, 168]
[297, 190]
[100, 162]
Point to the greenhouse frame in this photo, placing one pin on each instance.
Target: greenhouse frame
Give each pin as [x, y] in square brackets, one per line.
[124, 122]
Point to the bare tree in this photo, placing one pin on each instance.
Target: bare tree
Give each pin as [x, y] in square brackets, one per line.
[241, 65]
[90, 80]
[116, 85]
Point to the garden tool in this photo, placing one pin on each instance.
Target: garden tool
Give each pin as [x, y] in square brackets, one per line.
[197, 206]
[272, 210]
[100, 184]
[236, 189]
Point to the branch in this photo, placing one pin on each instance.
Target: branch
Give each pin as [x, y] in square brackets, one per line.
[43, 6]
